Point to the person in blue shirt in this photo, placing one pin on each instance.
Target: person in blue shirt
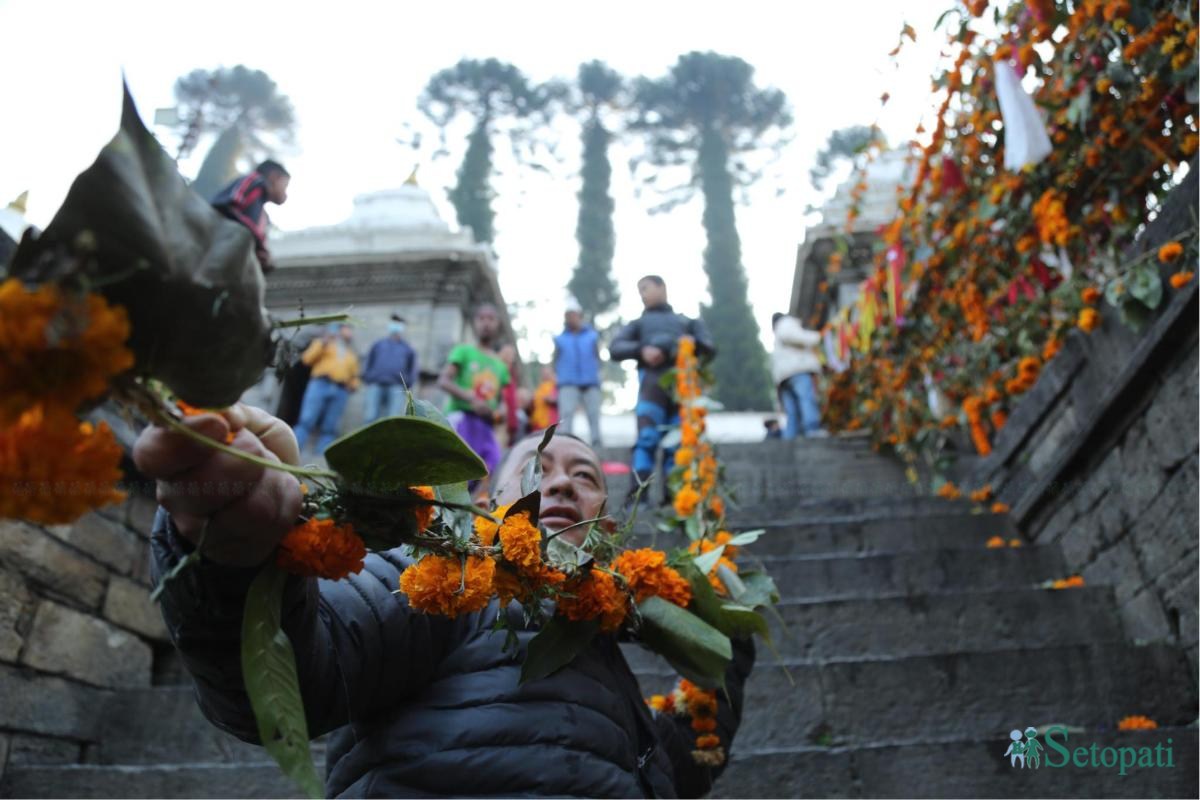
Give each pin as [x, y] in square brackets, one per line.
[577, 367]
[391, 367]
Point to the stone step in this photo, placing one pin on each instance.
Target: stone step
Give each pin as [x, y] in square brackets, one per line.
[932, 624]
[755, 483]
[775, 451]
[261, 779]
[803, 510]
[917, 572]
[961, 768]
[833, 534]
[958, 695]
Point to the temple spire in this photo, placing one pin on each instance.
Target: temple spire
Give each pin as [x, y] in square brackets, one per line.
[411, 180]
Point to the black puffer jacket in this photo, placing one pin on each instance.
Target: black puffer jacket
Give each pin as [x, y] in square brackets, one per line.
[660, 327]
[425, 706]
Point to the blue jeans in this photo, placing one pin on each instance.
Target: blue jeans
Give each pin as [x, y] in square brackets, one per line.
[383, 401]
[800, 402]
[323, 404]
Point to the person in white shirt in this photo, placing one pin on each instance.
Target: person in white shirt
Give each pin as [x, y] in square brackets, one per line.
[793, 362]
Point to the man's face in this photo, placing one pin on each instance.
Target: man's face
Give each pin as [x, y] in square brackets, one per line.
[277, 187]
[573, 486]
[653, 294]
[574, 320]
[487, 323]
[346, 332]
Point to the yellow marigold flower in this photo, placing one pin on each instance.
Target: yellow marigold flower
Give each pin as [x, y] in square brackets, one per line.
[686, 500]
[1089, 319]
[949, 491]
[596, 595]
[647, 574]
[1169, 252]
[424, 514]
[1136, 723]
[1000, 508]
[708, 742]
[658, 702]
[1090, 295]
[54, 468]
[994, 542]
[1181, 279]
[687, 347]
[321, 548]
[521, 543]
[435, 584]
[56, 349]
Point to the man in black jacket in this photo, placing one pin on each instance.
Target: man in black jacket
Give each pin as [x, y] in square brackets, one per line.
[419, 705]
[653, 341]
[245, 201]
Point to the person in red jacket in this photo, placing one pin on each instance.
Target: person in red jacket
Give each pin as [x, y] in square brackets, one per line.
[245, 201]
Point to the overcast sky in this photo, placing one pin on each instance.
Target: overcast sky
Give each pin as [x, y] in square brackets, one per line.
[354, 71]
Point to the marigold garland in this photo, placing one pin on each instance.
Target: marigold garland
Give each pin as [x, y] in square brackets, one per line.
[646, 573]
[595, 595]
[322, 548]
[423, 513]
[54, 468]
[700, 705]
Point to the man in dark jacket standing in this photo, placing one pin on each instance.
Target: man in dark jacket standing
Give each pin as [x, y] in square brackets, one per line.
[391, 367]
[420, 705]
[245, 201]
[577, 369]
[653, 340]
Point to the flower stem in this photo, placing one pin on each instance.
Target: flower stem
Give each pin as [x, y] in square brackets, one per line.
[178, 426]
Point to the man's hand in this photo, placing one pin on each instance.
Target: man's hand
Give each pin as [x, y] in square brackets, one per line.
[264, 259]
[246, 508]
[653, 356]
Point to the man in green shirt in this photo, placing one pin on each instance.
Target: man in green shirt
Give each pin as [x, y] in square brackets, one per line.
[473, 377]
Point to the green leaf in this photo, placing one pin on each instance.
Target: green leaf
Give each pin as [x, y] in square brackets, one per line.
[555, 646]
[692, 526]
[759, 590]
[697, 650]
[746, 537]
[1146, 285]
[424, 409]
[269, 672]
[564, 554]
[706, 562]
[531, 476]
[731, 619]
[398, 452]
[133, 229]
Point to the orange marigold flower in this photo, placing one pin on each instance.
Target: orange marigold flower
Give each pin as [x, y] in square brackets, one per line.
[423, 513]
[647, 574]
[1015, 542]
[321, 548]
[689, 436]
[982, 495]
[999, 419]
[684, 455]
[486, 529]
[1090, 295]
[1169, 252]
[507, 585]
[1051, 349]
[1136, 723]
[713, 574]
[708, 742]
[521, 543]
[723, 538]
[994, 542]
[596, 595]
[686, 500]
[949, 491]
[54, 468]
[1073, 582]
[717, 506]
[704, 724]
[436, 585]
[57, 349]
[193, 411]
[1089, 319]
[1181, 279]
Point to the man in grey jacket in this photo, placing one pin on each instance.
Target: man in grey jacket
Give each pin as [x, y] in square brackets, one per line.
[794, 361]
[418, 704]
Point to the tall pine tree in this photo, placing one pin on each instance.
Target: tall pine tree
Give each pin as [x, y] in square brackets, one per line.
[490, 92]
[592, 284]
[708, 113]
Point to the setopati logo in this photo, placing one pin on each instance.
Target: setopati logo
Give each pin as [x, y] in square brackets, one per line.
[1028, 752]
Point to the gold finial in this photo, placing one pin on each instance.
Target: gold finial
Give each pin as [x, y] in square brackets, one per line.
[18, 205]
[412, 177]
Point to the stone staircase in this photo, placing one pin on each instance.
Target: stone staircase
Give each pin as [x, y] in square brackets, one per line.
[907, 651]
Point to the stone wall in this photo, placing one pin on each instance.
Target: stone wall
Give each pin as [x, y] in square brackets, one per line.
[76, 625]
[1101, 455]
